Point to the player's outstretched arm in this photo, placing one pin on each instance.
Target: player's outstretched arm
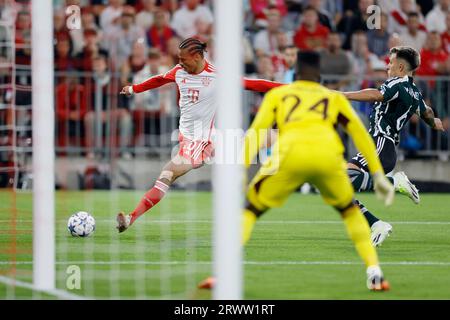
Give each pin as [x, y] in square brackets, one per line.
[152, 83]
[428, 116]
[260, 85]
[366, 95]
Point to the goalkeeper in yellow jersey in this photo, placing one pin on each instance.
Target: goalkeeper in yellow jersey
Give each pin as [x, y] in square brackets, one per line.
[309, 149]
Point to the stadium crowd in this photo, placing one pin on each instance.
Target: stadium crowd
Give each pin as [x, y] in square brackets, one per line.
[126, 41]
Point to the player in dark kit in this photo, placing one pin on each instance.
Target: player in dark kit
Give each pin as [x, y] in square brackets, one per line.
[394, 104]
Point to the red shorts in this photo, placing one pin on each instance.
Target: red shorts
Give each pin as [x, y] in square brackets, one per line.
[195, 151]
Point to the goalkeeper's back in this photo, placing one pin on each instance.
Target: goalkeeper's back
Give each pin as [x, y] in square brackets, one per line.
[307, 114]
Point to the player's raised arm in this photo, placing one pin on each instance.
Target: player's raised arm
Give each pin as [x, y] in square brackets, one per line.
[260, 85]
[152, 83]
[255, 135]
[364, 143]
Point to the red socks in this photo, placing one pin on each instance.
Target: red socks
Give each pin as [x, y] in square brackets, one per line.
[150, 199]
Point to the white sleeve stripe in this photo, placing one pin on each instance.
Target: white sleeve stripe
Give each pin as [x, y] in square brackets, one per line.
[394, 82]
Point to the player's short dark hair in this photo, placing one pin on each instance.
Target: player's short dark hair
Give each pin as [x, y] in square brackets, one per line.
[409, 54]
[193, 45]
[308, 65]
[309, 59]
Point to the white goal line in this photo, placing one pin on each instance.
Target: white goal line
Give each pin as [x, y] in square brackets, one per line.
[259, 263]
[112, 221]
[62, 294]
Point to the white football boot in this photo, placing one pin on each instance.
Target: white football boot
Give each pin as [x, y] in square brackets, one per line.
[405, 187]
[375, 279]
[380, 231]
[123, 221]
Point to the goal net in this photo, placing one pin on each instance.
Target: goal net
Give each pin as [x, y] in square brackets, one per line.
[106, 152]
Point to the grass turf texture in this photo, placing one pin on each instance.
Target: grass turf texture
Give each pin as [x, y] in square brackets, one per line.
[168, 251]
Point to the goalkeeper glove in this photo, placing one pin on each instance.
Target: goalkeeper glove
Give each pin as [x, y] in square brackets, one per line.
[384, 189]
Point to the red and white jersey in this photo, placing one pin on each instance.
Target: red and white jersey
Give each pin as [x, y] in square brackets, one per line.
[197, 100]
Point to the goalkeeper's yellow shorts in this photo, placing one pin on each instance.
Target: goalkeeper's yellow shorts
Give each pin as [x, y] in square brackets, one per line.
[286, 170]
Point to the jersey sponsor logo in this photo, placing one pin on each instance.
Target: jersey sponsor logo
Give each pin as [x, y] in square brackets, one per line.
[206, 81]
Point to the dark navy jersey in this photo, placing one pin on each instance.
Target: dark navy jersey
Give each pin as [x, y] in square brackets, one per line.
[401, 99]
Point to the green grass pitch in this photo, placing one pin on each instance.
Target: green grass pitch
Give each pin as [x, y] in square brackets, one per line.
[299, 251]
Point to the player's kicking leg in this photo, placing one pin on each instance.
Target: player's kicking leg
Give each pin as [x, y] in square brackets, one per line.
[362, 181]
[174, 169]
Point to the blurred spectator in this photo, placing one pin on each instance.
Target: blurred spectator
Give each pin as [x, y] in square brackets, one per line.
[135, 63]
[335, 9]
[148, 107]
[88, 20]
[378, 38]
[249, 56]
[353, 22]
[118, 40]
[71, 107]
[170, 5]
[144, 18]
[265, 69]
[160, 32]
[183, 20]
[7, 12]
[115, 117]
[413, 36]
[311, 35]
[446, 35]
[361, 57]
[91, 50]
[261, 8]
[377, 78]
[23, 28]
[204, 30]
[399, 17]
[433, 57]
[335, 62]
[266, 41]
[290, 61]
[324, 16]
[111, 14]
[171, 58]
[436, 18]
[394, 41]
[63, 53]
[389, 5]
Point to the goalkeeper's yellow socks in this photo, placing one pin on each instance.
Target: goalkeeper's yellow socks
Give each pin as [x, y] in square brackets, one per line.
[359, 232]
[249, 222]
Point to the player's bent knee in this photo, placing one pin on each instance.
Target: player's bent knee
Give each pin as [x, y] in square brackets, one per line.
[343, 209]
[258, 210]
[166, 174]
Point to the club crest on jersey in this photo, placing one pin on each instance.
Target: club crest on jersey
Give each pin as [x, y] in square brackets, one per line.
[206, 81]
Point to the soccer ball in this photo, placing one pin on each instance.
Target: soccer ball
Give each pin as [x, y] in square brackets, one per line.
[81, 224]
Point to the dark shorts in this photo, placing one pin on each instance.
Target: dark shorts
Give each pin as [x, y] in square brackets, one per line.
[386, 152]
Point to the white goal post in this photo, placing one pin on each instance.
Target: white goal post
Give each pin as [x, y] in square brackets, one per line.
[43, 145]
[227, 178]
